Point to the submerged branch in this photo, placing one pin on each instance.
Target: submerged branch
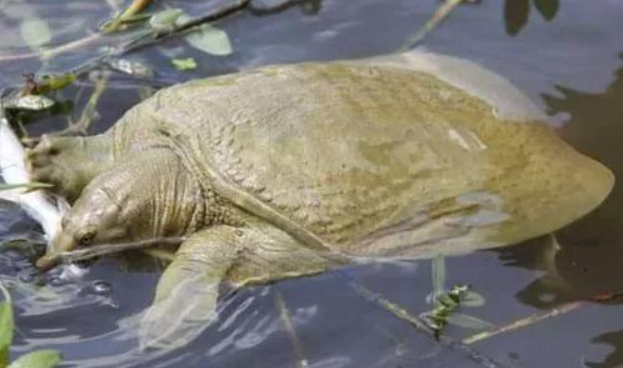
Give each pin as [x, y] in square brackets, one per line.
[421, 326]
[284, 313]
[50, 261]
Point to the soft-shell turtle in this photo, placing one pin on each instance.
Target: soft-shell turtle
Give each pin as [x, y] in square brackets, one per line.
[290, 170]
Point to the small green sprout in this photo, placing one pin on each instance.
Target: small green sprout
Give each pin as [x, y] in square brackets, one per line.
[184, 64]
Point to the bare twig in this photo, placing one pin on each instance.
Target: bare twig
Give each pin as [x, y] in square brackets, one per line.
[536, 318]
[160, 254]
[284, 313]
[50, 261]
[524, 322]
[421, 326]
[440, 15]
[49, 53]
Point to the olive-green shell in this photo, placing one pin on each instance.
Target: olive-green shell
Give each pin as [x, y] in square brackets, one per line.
[369, 160]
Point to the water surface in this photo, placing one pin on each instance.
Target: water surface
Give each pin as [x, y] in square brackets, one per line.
[571, 66]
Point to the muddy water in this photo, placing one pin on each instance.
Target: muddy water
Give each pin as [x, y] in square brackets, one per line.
[571, 65]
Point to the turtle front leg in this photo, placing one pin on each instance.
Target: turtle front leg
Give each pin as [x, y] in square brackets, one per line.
[69, 163]
[187, 293]
[186, 297]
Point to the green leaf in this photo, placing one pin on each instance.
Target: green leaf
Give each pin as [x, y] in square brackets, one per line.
[547, 8]
[38, 359]
[35, 32]
[516, 13]
[165, 20]
[184, 64]
[53, 82]
[6, 326]
[210, 40]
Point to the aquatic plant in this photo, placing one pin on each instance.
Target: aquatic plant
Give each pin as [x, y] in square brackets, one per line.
[44, 358]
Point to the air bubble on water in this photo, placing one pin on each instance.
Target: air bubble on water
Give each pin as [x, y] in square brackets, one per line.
[55, 281]
[101, 287]
[26, 277]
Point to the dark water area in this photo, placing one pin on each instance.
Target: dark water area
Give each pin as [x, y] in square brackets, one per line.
[571, 65]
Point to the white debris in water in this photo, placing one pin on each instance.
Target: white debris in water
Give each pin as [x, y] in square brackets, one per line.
[13, 171]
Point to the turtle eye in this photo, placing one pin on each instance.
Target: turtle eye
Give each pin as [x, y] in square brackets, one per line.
[87, 238]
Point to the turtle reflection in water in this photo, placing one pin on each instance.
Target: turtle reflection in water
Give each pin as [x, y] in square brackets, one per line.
[291, 170]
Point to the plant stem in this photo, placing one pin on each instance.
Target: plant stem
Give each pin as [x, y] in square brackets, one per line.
[116, 24]
[50, 261]
[89, 112]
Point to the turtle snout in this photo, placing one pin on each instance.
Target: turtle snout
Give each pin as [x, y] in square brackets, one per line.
[62, 242]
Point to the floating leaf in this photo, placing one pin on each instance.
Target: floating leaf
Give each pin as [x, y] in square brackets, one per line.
[469, 322]
[6, 326]
[35, 32]
[134, 68]
[165, 20]
[547, 8]
[516, 13]
[45, 358]
[210, 40]
[53, 82]
[30, 103]
[184, 64]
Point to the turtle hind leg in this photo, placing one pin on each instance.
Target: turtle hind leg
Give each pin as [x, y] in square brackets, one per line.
[187, 294]
[69, 163]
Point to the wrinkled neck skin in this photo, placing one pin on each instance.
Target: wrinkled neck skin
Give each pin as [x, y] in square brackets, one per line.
[157, 196]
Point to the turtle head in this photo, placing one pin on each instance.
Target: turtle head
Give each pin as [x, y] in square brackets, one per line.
[96, 218]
